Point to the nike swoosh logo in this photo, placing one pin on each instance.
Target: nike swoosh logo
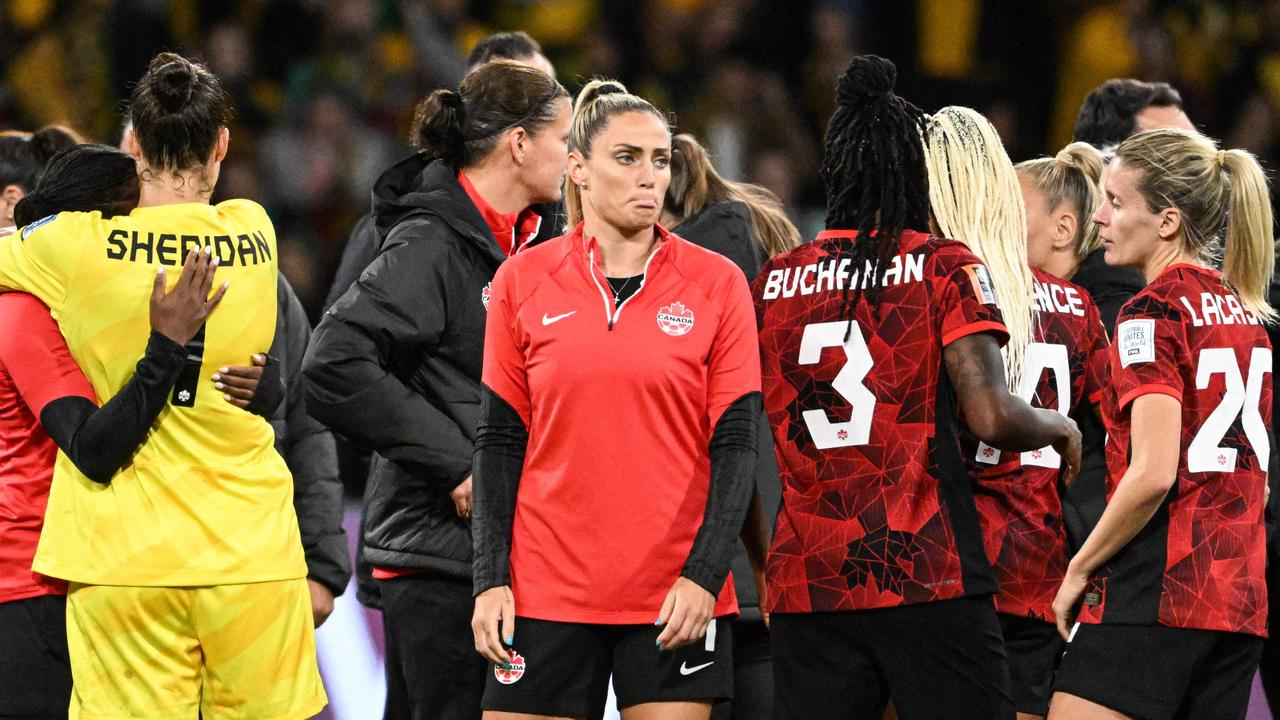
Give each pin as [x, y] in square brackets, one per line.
[686, 670]
[548, 320]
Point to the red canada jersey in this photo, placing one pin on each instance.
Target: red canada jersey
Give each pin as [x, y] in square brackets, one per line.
[877, 509]
[1199, 562]
[1018, 494]
[620, 400]
[36, 368]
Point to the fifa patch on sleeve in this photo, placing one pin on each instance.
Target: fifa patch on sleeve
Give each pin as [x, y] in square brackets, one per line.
[1137, 341]
[33, 226]
[983, 288]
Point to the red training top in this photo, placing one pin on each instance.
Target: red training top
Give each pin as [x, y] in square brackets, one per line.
[620, 403]
[1200, 561]
[877, 506]
[1018, 493]
[36, 368]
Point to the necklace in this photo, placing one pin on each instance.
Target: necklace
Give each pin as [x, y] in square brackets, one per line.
[617, 289]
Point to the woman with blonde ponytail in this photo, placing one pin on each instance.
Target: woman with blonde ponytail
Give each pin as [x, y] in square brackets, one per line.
[1169, 588]
[976, 199]
[616, 446]
[1061, 194]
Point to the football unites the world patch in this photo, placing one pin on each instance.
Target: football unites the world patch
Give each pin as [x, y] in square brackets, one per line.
[514, 669]
[1137, 341]
[983, 287]
[675, 319]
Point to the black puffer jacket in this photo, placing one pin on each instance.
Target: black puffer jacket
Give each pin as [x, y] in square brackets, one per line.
[395, 364]
[726, 228]
[307, 448]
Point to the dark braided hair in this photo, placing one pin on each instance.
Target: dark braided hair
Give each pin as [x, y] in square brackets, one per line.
[82, 178]
[873, 167]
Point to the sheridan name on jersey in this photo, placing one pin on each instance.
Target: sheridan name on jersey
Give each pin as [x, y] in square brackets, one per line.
[206, 500]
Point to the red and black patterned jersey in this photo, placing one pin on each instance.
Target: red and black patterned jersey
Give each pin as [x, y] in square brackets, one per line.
[1199, 562]
[1018, 494]
[877, 508]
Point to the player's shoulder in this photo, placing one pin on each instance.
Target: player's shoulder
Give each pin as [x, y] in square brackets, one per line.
[61, 224]
[945, 256]
[1162, 297]
[25, 317]
[243, 210]
[523, 272]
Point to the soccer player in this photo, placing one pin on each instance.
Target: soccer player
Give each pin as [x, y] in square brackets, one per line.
[976, 199]
[186, 571]
[45, 399]
[1170, 584]
[604, 533]
[1115, 110]
[747, 224]
[876, 338]
[395, 364]
[86, 178]
[1061, 194]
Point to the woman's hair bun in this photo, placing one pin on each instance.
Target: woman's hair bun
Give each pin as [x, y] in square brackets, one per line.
[605, 87]
[868, 76]
[175, 82]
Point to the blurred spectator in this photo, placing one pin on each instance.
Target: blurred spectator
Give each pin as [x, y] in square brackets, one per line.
[324, 90]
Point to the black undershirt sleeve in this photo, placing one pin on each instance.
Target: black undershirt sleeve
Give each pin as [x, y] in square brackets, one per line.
[100, 440]
[734, 445]
[501, 442]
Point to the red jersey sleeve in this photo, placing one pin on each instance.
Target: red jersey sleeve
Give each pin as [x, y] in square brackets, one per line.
[35, 355]
[967, 301]
[733, 368]
[504, 354]
[1150, 348]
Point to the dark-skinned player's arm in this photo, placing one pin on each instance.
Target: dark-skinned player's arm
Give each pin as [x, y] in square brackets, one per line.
[998, 417]
[100, 440]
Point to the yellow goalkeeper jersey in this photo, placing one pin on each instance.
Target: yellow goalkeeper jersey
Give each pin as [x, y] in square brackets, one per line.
[206, 500]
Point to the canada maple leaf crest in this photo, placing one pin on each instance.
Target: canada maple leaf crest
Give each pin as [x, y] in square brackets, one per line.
[512, 671]
[675, 319]
[485, 294]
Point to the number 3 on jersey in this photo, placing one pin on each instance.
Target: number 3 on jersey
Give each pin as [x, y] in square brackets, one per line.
[848, 383]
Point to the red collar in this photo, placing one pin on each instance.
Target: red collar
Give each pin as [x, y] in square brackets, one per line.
[511, 230]
[589, 243]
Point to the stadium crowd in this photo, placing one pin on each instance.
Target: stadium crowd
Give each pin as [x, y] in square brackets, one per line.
[891, 427]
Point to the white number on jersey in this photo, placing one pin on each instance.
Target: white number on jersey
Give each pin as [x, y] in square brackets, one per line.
[1205, 453]
[848, 383]
[1041, 357]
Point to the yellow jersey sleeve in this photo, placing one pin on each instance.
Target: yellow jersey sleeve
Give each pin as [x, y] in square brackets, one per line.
[41, 257]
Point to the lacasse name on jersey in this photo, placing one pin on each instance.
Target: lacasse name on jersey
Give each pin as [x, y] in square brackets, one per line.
[171, 248]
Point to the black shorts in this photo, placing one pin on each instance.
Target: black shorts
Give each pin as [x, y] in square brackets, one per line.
[1033, 647]
[1157, 672]
[564, 668]
[35, 672]
[935, 660]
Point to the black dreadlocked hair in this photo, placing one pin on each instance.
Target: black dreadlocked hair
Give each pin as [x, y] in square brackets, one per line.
[82, 178]
[873, 168]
